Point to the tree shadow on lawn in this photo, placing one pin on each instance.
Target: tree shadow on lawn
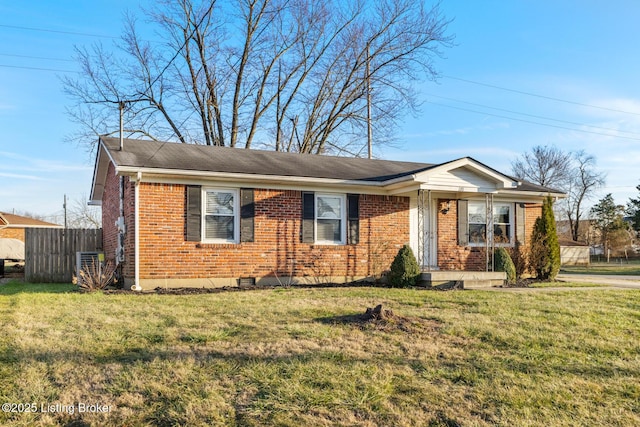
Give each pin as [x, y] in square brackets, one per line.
[16, 287]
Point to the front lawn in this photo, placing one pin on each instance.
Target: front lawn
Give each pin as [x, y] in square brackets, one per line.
[292, 357]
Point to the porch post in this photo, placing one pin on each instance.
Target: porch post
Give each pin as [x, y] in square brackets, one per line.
[425, 229]
[421, 207]
[489, 241]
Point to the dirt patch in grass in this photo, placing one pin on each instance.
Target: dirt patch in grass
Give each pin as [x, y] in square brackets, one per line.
[380, 319]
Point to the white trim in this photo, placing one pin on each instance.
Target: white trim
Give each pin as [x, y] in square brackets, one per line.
[343, 219]
[236, 214]
[246, 177]
[502, 181]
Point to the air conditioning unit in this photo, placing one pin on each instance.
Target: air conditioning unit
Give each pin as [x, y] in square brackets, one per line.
[86, 260]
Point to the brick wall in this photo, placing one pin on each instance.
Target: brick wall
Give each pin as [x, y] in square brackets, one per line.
[450, 255]
[276, 249]
[110, 214]
[12, 233]
[454, 257]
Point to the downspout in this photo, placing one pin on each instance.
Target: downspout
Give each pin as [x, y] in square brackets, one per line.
[136, 245]
[429, 235]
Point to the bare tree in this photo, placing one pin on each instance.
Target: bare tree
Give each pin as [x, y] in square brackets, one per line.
[82, 215]
[290, 75]
[574, 173]
[585, 179]
[544, 165]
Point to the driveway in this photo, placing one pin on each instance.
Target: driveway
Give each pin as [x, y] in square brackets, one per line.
[615, 281]
[608, 282]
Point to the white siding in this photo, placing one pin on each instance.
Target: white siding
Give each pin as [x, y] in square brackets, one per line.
[461, 179]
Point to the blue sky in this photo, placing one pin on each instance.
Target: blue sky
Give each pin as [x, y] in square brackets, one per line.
[582, 53]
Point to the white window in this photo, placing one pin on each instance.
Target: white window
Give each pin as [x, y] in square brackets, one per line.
[502, 223]
[220, 216]
[330, 219]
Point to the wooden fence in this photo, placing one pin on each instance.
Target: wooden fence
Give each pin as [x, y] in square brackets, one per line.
[50, 253]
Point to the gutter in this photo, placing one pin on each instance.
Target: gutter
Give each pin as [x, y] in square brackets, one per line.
[129, 170]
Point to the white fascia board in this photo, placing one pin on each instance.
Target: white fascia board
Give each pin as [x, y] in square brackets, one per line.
[502, 181]
[529, 194]
[103, 158]
[172, 176]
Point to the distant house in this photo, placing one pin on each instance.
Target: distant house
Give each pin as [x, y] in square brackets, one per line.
[192, 215]
[13, 226]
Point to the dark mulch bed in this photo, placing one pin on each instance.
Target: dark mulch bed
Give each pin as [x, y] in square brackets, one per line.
[195, 291]
[522, 283]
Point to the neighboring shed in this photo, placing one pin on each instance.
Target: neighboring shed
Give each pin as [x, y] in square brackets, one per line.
[574, 253]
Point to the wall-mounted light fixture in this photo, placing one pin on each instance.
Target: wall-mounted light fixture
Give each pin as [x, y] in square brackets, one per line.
[445, 207]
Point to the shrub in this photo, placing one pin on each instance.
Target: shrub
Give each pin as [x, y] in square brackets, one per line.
[544, 258]
[502, 262]
[404, 269]
[95, 276]
[519, 258]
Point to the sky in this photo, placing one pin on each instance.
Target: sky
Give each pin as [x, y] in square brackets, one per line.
[521, 74]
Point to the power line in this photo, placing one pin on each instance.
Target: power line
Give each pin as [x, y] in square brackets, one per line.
[37, 68]
[532, 122]
[36, 57]
[44, 30]
[539, 96]
[532, 115]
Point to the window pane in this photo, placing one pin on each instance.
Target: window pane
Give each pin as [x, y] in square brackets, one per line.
[501, 214]
[219, 227]
[477, 233]
[219, 203]
[328, 230]
[502, 233]
[329, 207]
[477, 213]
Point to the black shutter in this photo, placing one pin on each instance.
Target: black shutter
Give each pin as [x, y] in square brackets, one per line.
[308, 217]
[353, 219]
[463, 222]
[520, 224]
[247, 213]
[193, 220]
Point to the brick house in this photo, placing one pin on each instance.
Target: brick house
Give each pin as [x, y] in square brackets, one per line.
[192, 215]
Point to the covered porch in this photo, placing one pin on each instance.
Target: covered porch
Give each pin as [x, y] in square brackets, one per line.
[460, 212]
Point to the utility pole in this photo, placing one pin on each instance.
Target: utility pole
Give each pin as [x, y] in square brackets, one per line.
[121, 108]
[368, 81]
[64, 206]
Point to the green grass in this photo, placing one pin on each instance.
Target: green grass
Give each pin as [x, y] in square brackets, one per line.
[288, 358]
[567, 285]
[631, 268]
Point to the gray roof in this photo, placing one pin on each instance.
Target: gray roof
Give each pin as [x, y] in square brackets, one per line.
[192, 157]
[203, 158]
